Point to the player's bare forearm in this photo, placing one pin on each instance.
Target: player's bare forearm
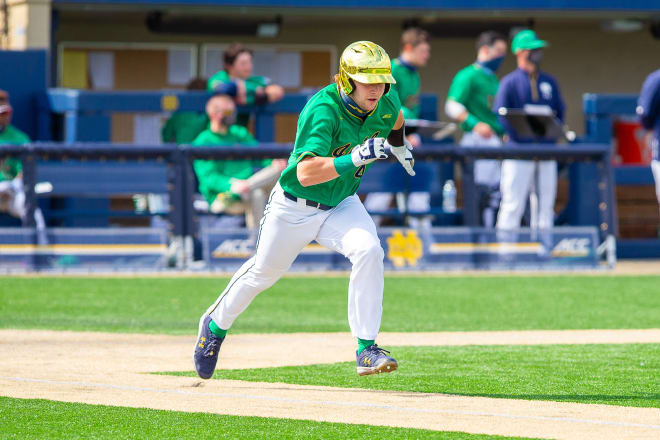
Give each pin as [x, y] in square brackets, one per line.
[315, 170]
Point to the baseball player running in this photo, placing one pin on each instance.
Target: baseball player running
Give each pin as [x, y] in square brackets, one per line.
[342, 130]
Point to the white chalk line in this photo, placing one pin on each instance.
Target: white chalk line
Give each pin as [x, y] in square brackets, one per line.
[333, 403]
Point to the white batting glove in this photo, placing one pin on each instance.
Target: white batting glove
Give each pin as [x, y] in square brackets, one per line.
[404, 155]
[373, 149]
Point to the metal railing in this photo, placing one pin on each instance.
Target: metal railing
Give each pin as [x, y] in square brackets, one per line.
[180, 175]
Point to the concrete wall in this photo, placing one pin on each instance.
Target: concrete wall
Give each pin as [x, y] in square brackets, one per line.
[582, 56]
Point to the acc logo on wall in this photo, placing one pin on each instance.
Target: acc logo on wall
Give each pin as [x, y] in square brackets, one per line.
[404, 249]
[572, 247]
[234, 248]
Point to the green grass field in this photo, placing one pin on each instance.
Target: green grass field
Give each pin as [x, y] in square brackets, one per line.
[44, 419]
[617, 374]
[173, 305]
[625, 374]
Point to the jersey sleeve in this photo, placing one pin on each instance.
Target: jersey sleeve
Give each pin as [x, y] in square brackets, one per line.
[217, 79]
[262, 81]
[212, 83]
[459, 90]
[315, 128]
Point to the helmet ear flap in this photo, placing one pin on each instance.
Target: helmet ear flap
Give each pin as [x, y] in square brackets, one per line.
[346, 83]
[351, 85]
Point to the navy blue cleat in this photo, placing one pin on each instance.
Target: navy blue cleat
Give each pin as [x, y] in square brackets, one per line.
[375, 360]
[206, 349]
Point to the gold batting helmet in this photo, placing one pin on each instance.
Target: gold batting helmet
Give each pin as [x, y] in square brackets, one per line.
[365, 62]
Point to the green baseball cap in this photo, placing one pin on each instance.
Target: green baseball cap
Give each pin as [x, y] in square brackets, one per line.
[527, 39]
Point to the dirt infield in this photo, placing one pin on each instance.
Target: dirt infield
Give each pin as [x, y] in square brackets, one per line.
[108, 368]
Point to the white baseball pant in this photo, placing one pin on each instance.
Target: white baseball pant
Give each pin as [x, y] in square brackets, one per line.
[12, 201]
[516, 183]
[286, 228]
[486, 171]
[655, 168]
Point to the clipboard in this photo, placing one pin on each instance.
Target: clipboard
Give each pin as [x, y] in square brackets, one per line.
[534, 121]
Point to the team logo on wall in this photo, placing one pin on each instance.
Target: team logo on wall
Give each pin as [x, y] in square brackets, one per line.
[404, 249]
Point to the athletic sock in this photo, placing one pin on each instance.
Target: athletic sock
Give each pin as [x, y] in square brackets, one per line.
[217, 330]
[364, 343]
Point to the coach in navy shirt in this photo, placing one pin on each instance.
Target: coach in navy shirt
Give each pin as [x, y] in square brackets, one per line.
[648, 108]
[527, 85]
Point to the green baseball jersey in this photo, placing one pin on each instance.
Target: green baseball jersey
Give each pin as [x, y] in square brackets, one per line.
[407, 87]
[11, 166]
[215, 175]
[184, 127]
[251, 86]
[475, 88]
[327, 129]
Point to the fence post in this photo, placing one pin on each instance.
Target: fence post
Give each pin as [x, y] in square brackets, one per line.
[470, 202]
[29, 163]
[608, 226]
[188, 212]
[176, 189]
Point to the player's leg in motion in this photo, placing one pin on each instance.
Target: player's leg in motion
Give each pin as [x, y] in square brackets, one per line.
[515, 183]
[547, 185]
[350, 231]
[285, 229]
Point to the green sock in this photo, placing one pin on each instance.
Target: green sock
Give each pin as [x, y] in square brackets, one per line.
[364, 343]
[217, 330]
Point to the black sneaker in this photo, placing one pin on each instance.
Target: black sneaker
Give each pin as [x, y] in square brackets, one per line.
[206, 349]
[375, 360]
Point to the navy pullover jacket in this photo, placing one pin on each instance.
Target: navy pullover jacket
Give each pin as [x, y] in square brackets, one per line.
[648, 108]
[515, 92]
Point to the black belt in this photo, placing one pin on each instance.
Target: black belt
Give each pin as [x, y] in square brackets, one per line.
[311, 203]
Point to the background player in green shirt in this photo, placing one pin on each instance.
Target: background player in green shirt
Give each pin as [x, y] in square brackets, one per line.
[470, 102]
[12, 192]
[233, 186]
[12, 196]
[415, 53]
[341, 132]
[183, 127]
[237, 80]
